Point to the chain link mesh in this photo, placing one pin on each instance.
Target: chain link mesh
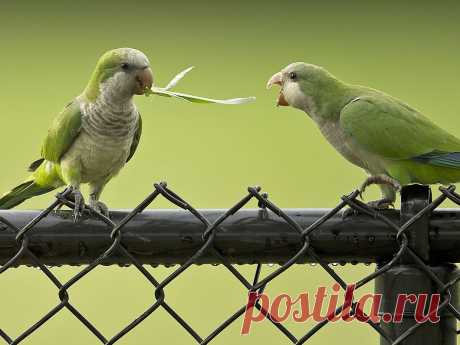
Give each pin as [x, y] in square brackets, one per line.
[208, 236]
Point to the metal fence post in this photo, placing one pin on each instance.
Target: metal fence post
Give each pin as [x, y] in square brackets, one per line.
[408, 278]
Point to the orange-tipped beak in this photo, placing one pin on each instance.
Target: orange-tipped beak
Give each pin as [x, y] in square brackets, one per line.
[277, 79]
[144, 80]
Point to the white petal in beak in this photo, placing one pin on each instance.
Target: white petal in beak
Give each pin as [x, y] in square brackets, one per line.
[275, 79]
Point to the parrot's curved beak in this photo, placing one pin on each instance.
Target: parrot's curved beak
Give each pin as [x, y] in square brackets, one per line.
[277, 79]
[144, 80]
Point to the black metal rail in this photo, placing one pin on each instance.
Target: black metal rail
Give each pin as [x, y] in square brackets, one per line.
[167, 237]
[413, 249]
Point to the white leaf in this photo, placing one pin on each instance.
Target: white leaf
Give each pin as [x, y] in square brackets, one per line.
[164, 91]
[198, 99]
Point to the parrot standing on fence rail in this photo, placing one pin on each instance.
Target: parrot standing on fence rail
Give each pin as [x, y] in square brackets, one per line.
[98, 132]
[94, 136]
[394, 143]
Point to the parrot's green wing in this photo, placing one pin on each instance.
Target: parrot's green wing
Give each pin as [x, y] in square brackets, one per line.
[136, 139]
[389, 128]
[62, 133]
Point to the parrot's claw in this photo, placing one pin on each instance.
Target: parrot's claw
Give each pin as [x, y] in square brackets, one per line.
[100, 207]
[348, 212]
[79, 204]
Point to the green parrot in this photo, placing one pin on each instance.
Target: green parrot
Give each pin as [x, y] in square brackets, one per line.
[394, 143]
[94, 136]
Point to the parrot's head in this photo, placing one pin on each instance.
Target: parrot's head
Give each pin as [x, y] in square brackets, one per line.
[120, 73]
[302, 84]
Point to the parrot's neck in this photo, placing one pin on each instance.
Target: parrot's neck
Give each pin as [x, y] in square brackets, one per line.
[112, 96]
[110, 117]
[109, 98]
[325, 106]
[115, 91]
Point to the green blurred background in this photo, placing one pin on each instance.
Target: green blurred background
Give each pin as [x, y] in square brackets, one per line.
[209, 153]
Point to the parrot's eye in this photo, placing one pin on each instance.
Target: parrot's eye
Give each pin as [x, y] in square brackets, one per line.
[293, 76]
[125, 66]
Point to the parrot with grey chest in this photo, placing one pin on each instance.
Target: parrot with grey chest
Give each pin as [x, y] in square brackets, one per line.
[95, 135]
[394, 143]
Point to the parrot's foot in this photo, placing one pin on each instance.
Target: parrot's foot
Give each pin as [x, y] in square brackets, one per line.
[376, 205]
[381, 204]
[79, 204]
[99, 206]
[379, 179]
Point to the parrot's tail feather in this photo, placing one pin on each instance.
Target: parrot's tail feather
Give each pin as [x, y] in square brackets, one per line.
[21, 193]
[35, 164]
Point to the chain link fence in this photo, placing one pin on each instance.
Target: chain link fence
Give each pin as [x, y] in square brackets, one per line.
[408, 243]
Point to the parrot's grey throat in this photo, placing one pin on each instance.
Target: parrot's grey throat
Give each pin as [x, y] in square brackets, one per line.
[117, 91]
[296, 98]
[113, 115]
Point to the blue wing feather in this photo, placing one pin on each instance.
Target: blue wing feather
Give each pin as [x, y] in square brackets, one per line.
[440, 158]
